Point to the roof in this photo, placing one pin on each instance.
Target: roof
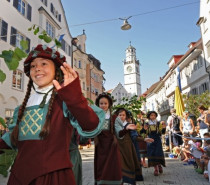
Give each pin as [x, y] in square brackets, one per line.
[150, 89]
[109, 91]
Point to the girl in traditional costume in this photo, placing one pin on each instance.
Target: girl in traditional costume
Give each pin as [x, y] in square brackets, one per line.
[107, 166]
[142, 133]
[42, 126]
[154, 150]
[131, 169]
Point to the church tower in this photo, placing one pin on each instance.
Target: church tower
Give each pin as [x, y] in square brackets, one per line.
[132, 81]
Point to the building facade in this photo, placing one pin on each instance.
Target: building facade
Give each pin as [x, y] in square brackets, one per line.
[118, 93]
[204, 23]
[194, 80]
[49, 15]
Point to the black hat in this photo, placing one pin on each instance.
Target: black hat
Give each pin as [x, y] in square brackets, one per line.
[104, 95]
[150, 112]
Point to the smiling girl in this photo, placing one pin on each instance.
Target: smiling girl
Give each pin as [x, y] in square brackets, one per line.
[42, 126]
[107, 166]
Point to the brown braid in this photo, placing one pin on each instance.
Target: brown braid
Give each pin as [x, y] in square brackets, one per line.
[46, 128]
[15, 132]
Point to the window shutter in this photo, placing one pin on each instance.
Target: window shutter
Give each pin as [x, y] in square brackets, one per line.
[59, 17]
[69, 51]
[4, 30]
[29, 10]
[63, 44]
[51, 8]
[13, 36]
[29, 42]
[15, 3]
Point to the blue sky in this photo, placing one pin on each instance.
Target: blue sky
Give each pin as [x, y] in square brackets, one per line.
[156, 36]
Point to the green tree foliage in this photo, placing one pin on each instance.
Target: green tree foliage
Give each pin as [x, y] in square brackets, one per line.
[132, 104]
[193, 101]
[6, 160]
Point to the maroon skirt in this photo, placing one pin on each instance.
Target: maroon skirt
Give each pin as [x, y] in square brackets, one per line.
[59, 177]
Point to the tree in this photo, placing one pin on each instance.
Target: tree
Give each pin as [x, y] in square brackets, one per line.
[132, 104]
[193, 101]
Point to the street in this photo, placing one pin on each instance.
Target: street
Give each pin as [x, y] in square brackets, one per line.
[175, 173]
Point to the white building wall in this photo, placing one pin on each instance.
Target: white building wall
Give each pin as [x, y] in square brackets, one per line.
[205, 29]
[119, 93]
[11, 97]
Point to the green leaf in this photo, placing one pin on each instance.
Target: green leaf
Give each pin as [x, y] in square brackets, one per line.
[34, 26]
[2, 122]
[47, 39]
[2, 76]
[7, 55]
[36, 31]
[19, 53]
[44, 32]
[29, 29]
[41, 37]
[6, 160]
[24, 44]
[57, 43]
[13, 64]
[91, 101]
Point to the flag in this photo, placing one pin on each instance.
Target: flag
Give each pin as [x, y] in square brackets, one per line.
[178, 78]
[178, 104]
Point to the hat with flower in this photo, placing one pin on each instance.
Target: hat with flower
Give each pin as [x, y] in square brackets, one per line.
[42, 51]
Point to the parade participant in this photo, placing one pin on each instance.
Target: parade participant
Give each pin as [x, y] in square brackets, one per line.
[142, 133]
[186, 125]
[155, 153]
[107, 166]
[131, 169]
[41, 129]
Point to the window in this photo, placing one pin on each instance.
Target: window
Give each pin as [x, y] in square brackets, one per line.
[195, 67]
[194, 91]
[137, 69]
[9, 113]
[17, 80]
[3, 30]
[65, 47]
[52, 9]
[80, 65]
[200, 61]
[21, 7]
[45, 2]
[50, 30]
[16, 37]
[96, 92]
[24, 8]
[203, 87]
[83, 86]
[208, 48]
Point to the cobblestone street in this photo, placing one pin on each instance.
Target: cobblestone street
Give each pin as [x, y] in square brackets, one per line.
[174, 174]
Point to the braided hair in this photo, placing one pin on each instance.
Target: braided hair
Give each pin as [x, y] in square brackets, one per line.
[15, 132]
[46, 127]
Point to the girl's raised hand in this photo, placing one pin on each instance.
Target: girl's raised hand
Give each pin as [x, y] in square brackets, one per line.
[131, 127]
[69, 76]
[149, 140]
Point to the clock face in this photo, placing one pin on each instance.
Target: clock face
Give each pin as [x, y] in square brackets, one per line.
[129, 69]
